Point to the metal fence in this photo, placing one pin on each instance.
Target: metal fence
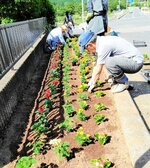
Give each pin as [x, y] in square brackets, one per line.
[15, 40]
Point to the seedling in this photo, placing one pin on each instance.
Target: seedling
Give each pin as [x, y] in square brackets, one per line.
[83, 105]
[101, 138]
[68, 109]
[67, 124]
[82, 138]
[101, 163]
[99, 107]
[80, 115]
[62, 149]
[99, 94]
[83, 96]
[99, 118]
[25, 162]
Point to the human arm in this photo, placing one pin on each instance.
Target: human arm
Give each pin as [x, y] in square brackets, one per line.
[95, 76]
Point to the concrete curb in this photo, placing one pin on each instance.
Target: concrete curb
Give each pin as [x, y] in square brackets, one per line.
[136, 135]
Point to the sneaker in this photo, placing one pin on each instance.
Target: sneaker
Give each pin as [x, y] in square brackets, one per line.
[119, 87]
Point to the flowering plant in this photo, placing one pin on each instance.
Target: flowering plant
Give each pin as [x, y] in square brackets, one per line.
[82, 138]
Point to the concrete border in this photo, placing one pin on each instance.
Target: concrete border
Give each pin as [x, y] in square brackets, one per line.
[15, 80]
[136, 135]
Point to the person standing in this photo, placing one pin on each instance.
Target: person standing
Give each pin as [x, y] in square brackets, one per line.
[68, 19]
[97, 21]
[119, 57]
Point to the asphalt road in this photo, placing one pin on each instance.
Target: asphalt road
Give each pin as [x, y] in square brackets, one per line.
[135, 26]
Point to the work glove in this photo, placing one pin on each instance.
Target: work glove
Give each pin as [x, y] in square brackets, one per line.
[89, 16]
[91, 85]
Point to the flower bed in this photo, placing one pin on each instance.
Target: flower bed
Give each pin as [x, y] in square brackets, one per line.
[70, 127]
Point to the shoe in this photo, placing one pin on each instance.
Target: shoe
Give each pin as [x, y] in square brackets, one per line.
[119, 87]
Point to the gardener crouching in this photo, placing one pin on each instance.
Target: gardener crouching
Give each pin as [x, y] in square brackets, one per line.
[56, 36]
[120, 57]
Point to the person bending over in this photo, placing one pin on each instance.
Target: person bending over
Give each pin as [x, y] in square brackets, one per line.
[120, 57]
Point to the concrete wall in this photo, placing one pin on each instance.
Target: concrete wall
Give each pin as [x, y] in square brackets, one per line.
[14, 82]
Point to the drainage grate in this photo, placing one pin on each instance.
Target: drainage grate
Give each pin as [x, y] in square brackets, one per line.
[139, 43]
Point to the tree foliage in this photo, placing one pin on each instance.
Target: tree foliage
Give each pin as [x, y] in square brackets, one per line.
[20, 10]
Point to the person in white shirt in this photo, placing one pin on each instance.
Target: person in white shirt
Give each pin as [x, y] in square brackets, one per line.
[120, 57]
[57, 35]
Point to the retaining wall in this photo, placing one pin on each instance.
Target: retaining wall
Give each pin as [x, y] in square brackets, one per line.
[14, 82]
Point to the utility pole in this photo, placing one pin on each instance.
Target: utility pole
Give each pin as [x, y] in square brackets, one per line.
[82, 11]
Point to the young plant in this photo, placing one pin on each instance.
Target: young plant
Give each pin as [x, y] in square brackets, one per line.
[99, 118]
[68, 109]
[99, 94]
[25, 162]
[83, 96]
[74, 60]
[98, 83]
[100, 107]
[101, 163]
[37, 147]
[82, 138]
[101, 138]
[83, 105]
[62, 149]
[80, 115]
[83, 87]
[67, 124]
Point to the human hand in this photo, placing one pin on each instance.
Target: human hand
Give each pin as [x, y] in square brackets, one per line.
[91, 88]
[89, 16]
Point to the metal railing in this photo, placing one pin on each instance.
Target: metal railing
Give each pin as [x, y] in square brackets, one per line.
[15, 40]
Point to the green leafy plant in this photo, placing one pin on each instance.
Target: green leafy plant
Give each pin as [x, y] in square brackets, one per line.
[99, 118]
[80, 115]
[99, 107]
[83, 86]
[98, 83]
[83, 105]
[82, 138]
[83, 96]
[67, 124]
[62, 149]
[99, 94]
[68, 109]
[101, 163]
[37, 147]
[25, 162]
[101, 138]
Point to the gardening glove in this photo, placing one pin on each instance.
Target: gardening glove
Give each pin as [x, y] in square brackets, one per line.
[90, 82]
[91, 88]
[89, 16]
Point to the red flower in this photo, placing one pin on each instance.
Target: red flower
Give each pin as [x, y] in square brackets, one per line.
[55, 82]
[47, 94]
[53, 66]
[41, 110]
